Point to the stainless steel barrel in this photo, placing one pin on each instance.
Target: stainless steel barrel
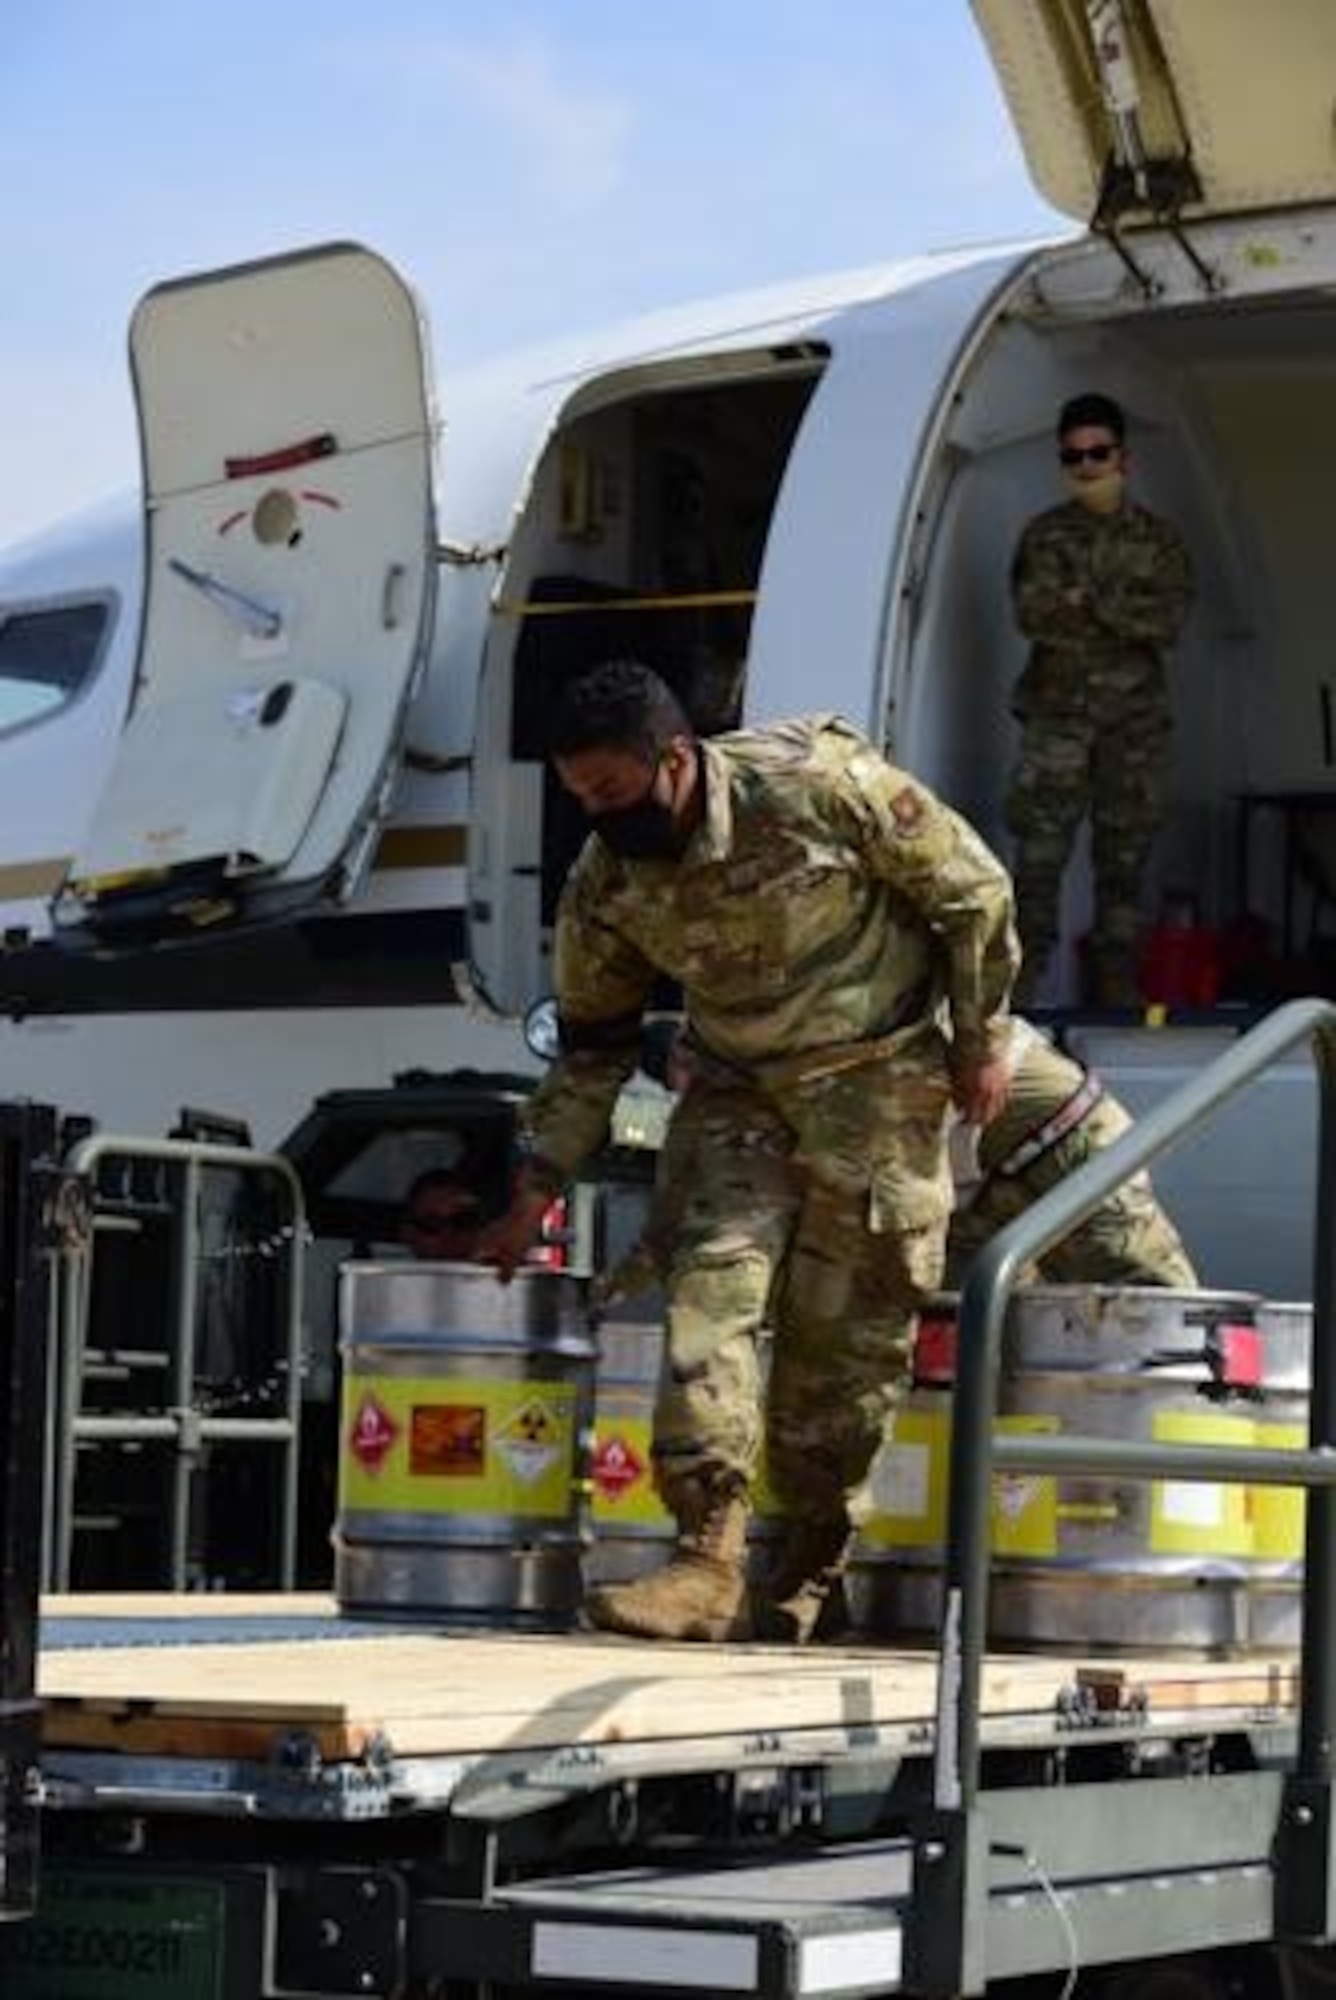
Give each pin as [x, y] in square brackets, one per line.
[1125, 1562]
[1285, 1344]
[633, 1532]
[1101, 1561]
[466, 1412]
[893, 1584]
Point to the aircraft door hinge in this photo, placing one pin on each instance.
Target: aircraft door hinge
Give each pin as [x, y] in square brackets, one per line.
[1136, 180]
[470, 555]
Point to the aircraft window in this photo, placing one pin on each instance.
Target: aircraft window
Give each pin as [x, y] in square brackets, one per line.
[46, 657]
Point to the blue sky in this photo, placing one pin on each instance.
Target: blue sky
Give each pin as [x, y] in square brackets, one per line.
[532, 166]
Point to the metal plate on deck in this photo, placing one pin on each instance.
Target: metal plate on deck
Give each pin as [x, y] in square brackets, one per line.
[825, 1923]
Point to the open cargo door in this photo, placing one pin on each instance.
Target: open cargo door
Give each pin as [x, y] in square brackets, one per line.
[286, 437]
[1136, 110]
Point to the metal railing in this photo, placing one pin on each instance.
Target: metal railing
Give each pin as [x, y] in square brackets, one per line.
[976, 1450]
[184, 1425]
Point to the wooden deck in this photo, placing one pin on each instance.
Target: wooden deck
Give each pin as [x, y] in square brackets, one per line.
[231, 1676]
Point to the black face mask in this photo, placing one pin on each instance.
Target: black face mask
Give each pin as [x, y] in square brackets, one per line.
[645, 831]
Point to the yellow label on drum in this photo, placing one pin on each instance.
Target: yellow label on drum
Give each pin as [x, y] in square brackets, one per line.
[907, 1488]
[432, 1445]
[622, 1476]
[621, 1468]
[1278, 1511]
[1199, 1517]
[1025, 1504]
[906, 1485]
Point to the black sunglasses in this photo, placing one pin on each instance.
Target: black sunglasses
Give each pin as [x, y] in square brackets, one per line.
[1098, 454]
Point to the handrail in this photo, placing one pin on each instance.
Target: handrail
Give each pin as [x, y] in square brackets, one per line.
[975, 1451]
[183, 1425]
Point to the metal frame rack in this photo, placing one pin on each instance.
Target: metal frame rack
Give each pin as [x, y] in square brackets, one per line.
[184, 1426]
[30, 1206]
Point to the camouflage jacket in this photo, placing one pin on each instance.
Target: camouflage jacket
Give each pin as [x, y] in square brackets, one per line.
[1136, 578]
[825, 900]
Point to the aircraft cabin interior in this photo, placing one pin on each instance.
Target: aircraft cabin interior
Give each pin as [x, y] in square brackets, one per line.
[667, 494]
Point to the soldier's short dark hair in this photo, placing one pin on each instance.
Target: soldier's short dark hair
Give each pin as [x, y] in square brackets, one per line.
[620, 705]
[1094, 410]
[442, 1180]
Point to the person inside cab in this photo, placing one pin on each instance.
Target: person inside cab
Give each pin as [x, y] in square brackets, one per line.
[443, 1218]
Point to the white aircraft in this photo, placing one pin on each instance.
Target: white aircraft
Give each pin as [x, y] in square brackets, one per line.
[277, 735]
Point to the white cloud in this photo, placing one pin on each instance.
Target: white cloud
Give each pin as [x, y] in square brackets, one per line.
[575, 138]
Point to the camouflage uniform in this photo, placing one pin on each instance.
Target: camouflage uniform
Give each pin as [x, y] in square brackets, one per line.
[1057, 1117]
[1094, 712]
[824, 916]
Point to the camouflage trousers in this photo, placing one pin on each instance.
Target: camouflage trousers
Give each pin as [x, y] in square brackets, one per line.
[1110, 766]
[820, 1211]
[1128, 1240]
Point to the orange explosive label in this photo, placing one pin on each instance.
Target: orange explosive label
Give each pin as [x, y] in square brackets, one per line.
[448, 1440]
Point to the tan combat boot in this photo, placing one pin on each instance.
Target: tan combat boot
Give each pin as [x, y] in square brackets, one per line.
[804, 1595]
[702, 1592]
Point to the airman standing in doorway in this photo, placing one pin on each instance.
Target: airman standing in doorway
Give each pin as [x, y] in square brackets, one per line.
[1100, 586]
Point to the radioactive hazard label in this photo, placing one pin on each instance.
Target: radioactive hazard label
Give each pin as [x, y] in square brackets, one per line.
[531, 1441]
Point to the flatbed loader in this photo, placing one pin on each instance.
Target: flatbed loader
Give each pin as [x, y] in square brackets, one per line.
[504, 1808]
[261, 1796]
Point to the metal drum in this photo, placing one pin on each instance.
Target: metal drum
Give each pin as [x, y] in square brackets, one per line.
[1114, 1562]
[1285, 1343]
[893, 1584]
[466, 1412]
[1100, 1561]
[633, 1531]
